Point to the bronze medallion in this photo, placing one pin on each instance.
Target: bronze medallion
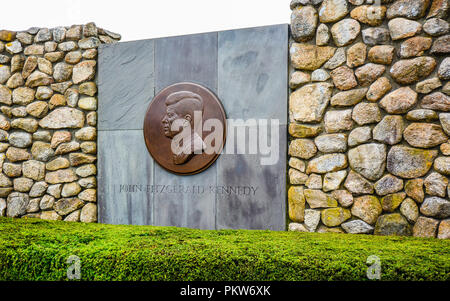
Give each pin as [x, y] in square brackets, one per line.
[175, 132]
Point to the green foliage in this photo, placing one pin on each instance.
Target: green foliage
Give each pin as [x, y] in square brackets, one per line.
[38, 250]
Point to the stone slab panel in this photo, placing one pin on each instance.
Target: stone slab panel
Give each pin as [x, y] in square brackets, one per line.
[125, 170]
[125, 84]
[253, 72]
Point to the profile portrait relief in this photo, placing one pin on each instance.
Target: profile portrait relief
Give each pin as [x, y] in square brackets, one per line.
[182, 122]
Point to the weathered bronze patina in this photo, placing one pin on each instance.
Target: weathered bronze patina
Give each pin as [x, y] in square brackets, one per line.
[181, 110]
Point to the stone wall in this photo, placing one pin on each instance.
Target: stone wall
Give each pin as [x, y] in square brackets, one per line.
[369, 122]
[48, 122]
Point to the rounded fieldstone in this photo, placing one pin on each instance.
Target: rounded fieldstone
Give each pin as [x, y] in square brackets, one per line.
[327, 163]
[70, 189]
[409, 210]
[375, 35]
[424, 135]
[89, 147]
[372, 15]
[44, 34]
[77, 159]
[17, 204]
[369, 160]
[319, 199]
[337, 59]
[378, 89]
[88, 43]
[441, 45]
[309, 57]
[338, 121]
[295, 129]
[322, 35]
[37, 79]
[411, 9]
[366, 113]
[296, 204]
[333, 217]
[359, 135]
[407, 162]
[428, 85]
[297, 78]
[444, 69]
[435, 207]
[436, 27]
[71, 95]
[38, 189]
[43, 93]
[388, 185]
[84, 71]
[23, 184]
[90, 170]
[302, 148]
[319, 75]
[401, 28]
[42, 151]
[63, 72]
[414, 189]
[399, 101]
[367, 208]
[392, 224]
[63, 118]
[368, 73]
[356, 55]
[308, 103]
[436, 184]
[13, 47]
[331, 143]
[436, 101]
[27, 124]
[332, 10]
[333, 180]
[88, 103]
[20, 139]
[68, 205]
[58, 163]
[389, 130]
[23, 96]
[357, 227]
[415, 46]
[344, 197]
[303, 23]
[381, 54]
[348, 98]
[5, 74]
[67, 46]
[442, 165]
[88, 195]
[392, 201]
[345, 32]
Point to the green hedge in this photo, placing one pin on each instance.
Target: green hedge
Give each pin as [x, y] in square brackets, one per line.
[38, 250]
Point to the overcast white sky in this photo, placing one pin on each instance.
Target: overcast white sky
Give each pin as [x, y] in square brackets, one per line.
[143, 19]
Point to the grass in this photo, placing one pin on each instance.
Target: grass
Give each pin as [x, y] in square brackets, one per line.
[38, 250]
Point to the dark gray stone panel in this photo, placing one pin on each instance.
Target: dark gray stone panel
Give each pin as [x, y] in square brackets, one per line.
[186, 58]
[191, 58]
[125, 84]
[253, 72]
[253, 81]
[125, 169]
[195, 208]
[265, 208]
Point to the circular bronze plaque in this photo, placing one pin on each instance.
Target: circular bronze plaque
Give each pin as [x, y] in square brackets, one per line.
[178, 131]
